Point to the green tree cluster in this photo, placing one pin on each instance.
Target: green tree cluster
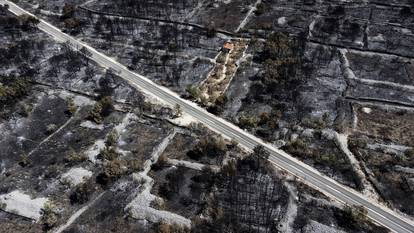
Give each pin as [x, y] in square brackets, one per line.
[13, 88]
[101, 109]
[282, 58]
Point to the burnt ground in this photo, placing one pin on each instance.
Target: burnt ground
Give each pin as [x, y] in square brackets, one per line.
[342, 57]
[307, 63]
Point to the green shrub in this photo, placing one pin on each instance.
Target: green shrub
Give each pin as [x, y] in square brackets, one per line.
[248, 121]
[111, 171]
[49, 215]
[178, 112]
[107, 105]
[163, 227]
[298, 148]
[230, 169]
[318, 123]
[13, 88]
[109, 153]
[194, 92]
[161, 163]
[81, 194]
[282, 58]
[135, 165]
[409, 153]
[260, 9]
[24, 160]
[355, 214]
[112, 138]
[95, 113]
[357, 143]
[51, 128]
[74, 157]
[71, 107]
[101, 109]
[212, 146]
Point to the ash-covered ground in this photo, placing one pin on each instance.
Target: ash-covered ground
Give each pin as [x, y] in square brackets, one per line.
[330, 82]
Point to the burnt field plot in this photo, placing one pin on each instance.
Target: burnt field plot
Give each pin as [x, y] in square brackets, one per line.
[225, 15]
[227, 195]
[384, 147]
[173, 55]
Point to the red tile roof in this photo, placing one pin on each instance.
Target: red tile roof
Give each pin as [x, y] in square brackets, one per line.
[228, 45]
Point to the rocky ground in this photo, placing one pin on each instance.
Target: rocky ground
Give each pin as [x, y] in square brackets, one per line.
[330, 82]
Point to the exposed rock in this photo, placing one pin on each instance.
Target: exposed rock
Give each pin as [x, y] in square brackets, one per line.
[22, 204]
[315, 227]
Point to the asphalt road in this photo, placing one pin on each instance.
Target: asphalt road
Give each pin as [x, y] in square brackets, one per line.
[382, 215]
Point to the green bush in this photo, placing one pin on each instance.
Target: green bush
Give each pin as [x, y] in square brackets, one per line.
[248, 121]
[13, 88]
[27, 22]
[409, 153]
[74, 157]
[194, 92]
[282, 58]
[95, 113]
[317, 123]
[101, 109]
[109, 153]
[260, 9]
[24, 160]
[112, 138]
[163, 227]
[298, 148]
[51, 128]
[71, 107]
[212, 146]
[49, 215]
[135, 165]
[355, 214]
[107, 105]
[111, 171]
[81, 194]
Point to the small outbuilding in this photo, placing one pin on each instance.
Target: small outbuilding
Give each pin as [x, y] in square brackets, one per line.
[227, 47]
